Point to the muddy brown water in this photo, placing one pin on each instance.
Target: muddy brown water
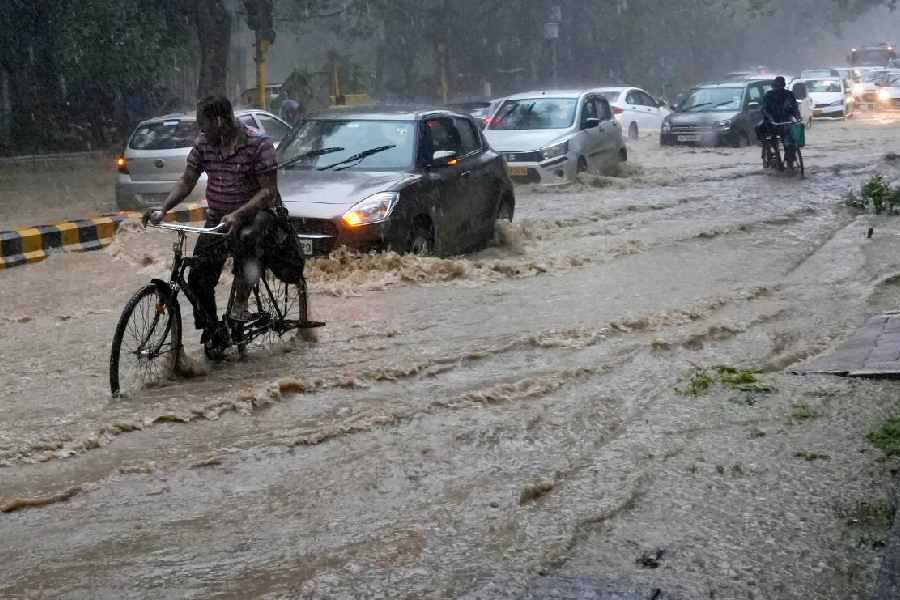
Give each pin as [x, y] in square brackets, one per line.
[466, 426]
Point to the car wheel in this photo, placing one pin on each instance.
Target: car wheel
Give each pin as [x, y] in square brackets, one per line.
[623, 155]
[743, 140]
[422, 243]
[633, 132]
[505, 212]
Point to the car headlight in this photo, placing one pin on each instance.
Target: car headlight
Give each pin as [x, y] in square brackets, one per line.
[884, 95]
[556, 150]
[837, 102]
[726, 124]
[374, 209]
[666, 126]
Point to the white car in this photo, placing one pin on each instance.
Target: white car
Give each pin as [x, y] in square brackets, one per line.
[156, 154]
[635, 110]
[889, 92]
[551, 136]
[832, 98]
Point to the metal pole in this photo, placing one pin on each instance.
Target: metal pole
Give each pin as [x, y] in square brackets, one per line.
[262, 47]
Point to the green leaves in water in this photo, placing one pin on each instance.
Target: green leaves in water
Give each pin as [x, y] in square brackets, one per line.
[887, 438]
[702, 379]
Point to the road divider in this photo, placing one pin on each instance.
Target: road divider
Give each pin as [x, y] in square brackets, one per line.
[32, 244]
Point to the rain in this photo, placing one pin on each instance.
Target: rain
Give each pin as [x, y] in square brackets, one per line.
[555, 299]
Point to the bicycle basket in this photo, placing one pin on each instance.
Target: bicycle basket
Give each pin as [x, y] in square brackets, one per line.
[797, 131]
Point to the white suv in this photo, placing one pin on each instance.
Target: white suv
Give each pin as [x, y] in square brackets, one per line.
[550, 136]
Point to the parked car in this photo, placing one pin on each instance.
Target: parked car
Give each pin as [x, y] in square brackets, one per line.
[635, 110]
[832, 98]
[724, 113]
[380, 177]
[250, 97]
[865, 92]
[156, 153]
[823, 73]
[480, 110]
[550, 136]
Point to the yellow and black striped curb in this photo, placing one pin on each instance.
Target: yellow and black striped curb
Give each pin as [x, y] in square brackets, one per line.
[32, 244]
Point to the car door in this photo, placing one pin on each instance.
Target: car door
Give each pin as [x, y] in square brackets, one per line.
[477, 182]
[610, 132]
[591, 134]
[753, 108]
[632, 113]
[450, 212]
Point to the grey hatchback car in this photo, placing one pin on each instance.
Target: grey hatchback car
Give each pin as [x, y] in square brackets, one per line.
[157, 151]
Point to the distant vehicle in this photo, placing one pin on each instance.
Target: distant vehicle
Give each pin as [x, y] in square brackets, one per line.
[832, 98]
[379, 177]
[724, 113]
[156, 154]
[273, 99]
[551, 136]
[820, 73]
[865, 92]
[478, 109]
[635, 110]
[872, 56]
[889, 92]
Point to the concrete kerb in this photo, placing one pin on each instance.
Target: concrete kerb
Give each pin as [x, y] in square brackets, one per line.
[32, 244]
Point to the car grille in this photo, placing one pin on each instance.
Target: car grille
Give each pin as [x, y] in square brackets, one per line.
[305, 226]
[691, 129]
[523, 156]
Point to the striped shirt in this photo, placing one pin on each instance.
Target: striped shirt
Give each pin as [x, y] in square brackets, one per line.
[232, 174]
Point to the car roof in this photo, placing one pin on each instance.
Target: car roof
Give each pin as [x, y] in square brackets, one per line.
[727, 84]
[192, 115]
[385, 112]
[562, 93]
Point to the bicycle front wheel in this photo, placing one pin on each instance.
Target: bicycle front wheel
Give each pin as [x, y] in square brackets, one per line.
[146, 344]
[286, 303]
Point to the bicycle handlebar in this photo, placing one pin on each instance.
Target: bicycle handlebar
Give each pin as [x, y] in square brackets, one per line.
[217, 230]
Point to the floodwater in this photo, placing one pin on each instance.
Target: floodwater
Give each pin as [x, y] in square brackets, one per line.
[469, 427]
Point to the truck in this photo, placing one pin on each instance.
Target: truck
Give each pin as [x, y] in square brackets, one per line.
[881, 55]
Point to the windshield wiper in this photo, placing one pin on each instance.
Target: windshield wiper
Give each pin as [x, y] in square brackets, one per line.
[310, 154]
[690, 108]
[357, 157]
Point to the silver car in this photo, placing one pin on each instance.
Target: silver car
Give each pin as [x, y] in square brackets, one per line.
[550, 136]
[157, 151]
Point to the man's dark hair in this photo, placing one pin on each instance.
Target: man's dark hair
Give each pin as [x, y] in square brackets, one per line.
[216, 106]
[780, 80]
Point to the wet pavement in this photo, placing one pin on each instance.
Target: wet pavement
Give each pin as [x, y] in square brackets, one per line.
[518, 423]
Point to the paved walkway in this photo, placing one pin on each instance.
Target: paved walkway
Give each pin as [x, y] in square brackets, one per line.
[874, 351]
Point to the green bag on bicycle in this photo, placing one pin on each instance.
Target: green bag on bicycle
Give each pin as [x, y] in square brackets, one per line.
[797, 132]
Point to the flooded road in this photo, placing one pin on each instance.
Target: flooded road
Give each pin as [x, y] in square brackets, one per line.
[469, 427]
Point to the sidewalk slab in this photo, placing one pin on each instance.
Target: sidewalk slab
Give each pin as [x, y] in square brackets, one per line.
[873, 351]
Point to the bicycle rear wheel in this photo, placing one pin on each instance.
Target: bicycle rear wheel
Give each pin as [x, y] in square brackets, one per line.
[146, 344]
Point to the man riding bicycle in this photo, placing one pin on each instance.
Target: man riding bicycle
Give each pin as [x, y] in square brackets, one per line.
[241, 191]
[779, 106]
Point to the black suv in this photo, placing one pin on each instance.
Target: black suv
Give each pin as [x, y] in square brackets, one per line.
[725, 113]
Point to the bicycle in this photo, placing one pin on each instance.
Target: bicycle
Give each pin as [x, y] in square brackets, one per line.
[147, 341]
[772, 145]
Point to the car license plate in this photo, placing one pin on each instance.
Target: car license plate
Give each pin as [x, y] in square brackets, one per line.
[518, 171]
[688, 138]
[306, 246]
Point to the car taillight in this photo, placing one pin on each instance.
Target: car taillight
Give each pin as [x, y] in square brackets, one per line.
[618, 110]
[122, 164]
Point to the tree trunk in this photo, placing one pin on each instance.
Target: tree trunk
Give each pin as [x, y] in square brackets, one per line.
[214, 34]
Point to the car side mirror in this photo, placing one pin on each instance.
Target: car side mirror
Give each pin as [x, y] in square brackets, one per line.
[591, 122]
[443, 158]
[753, 106]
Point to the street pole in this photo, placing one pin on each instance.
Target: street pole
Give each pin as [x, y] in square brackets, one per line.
[551, 34]
[262, 48]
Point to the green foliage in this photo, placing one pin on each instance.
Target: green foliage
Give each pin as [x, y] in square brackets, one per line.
[700, 380]
[802, 413]
[887, 437]
[877, 196]
[810, 456]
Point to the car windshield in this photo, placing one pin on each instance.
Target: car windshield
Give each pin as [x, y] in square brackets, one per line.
[323, 142]
[713, 99]
[830, 86]
[164, 135]
[611, 97]
[535, 113]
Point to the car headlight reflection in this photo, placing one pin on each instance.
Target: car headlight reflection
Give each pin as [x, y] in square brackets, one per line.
[884, 95]
[373, 209]
[726, 124]
[555, 151]
[666, 127]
